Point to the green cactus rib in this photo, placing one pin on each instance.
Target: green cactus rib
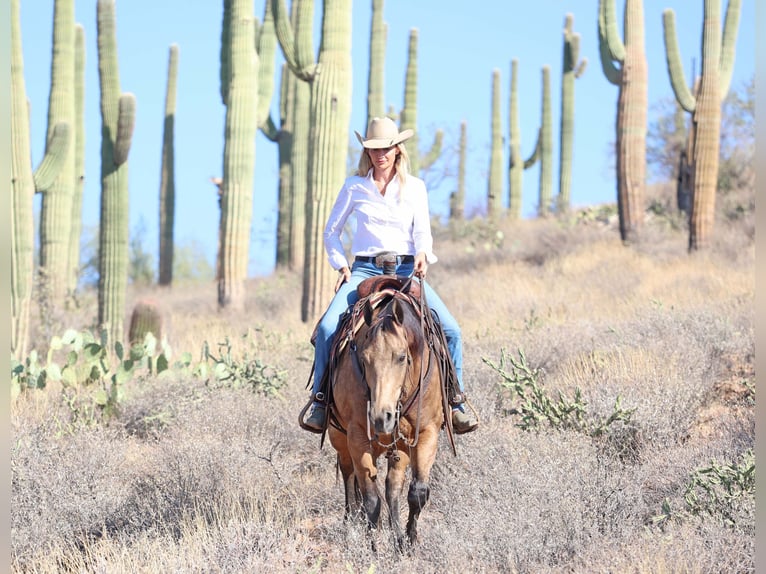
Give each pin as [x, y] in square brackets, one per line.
[330, 113]
[515, 165]
[572, 69]
[457, 199]
[632, 79]
[167, 173]
[495, 180]
[718, 49]
[117, 117]
[56, 207]
[241, 127]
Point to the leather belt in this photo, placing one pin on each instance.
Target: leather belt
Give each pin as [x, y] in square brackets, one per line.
[400, 259]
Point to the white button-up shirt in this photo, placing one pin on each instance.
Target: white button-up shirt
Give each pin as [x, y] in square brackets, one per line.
[398, 221]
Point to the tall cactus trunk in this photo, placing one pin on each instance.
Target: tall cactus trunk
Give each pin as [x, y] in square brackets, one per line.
[241, 99]
[56, 208]
[118, 119]
[515, 163]
[632, 103]
[572, 69]
[299, 172]
[285, 143]
[715, 78]
[457, 199]
[296, 110]
[167, 174]
[330, 119]
[330, 113]
[495, 180]
[22, 194]
[409, 116]
[543, 152]
[79, 161]
[376, 105]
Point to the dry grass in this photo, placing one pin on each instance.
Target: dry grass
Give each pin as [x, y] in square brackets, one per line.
[193, 479]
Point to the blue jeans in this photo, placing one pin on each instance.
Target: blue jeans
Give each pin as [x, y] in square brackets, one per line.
[347, 295]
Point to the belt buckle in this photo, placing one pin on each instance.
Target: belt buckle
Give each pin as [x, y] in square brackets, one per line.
[387, 260]
[386, 257]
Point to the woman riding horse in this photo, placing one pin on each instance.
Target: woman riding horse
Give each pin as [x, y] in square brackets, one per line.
[392, 215]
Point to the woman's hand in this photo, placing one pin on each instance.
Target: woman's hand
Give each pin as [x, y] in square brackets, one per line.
[345, 275]
[421, 265]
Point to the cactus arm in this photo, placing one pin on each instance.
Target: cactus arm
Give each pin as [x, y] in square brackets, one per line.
[612, 72]
[532, 159]
[613, 40]
[267, 47]
[296, 44]
[55, 154]
[126, 121]
[433, 154]
[269, 129]
[728, 45]
[579, 69]
[675, 68]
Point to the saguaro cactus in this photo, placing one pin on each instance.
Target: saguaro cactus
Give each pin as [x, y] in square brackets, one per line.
[631, 77]
[717, 67]
[56, 208]
[376, 105]
[79, 161]
[239, 76]
[118, 112]
[23, 183]
[457, 199]
[515, 165]
[293, 156]
[167, 173]
[543, 152]
[571, 70]
[409, 115]
[330, 87]
[495, 180]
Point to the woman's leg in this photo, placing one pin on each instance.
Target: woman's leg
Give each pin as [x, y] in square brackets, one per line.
[345, 297]
[451, 330]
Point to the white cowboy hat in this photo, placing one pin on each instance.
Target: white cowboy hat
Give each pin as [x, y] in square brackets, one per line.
[382, 132]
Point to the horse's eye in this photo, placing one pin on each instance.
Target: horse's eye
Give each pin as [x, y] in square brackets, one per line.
[402, 358]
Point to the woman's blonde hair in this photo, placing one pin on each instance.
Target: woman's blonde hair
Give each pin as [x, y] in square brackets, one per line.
[401, 165]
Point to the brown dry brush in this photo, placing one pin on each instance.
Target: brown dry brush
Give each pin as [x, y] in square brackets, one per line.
[202, 477]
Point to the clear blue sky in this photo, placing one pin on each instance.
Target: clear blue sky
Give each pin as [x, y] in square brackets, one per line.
[460, 44]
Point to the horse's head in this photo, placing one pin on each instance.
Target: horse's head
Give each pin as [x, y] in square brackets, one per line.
[386, 355]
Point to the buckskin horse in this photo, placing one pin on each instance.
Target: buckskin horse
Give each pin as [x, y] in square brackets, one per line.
[388, 396]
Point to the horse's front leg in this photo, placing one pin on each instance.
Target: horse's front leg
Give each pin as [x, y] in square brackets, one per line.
[366, 474]
[423, 457]
[397, 468]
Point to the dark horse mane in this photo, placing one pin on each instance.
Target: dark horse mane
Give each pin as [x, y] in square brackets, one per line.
[410, 321]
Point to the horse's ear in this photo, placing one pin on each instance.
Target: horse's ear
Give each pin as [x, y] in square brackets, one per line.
[398, 311]
[367, 313]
